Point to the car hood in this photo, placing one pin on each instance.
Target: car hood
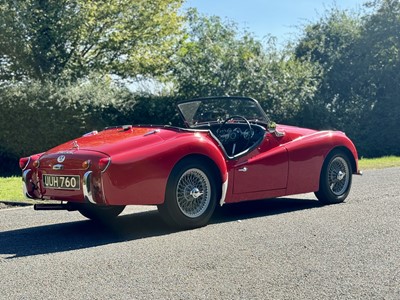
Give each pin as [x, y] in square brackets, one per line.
[116, 140]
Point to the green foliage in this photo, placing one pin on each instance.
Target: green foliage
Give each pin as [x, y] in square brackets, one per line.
[209, 61]
[379, 75]
[329, 43]
[157, 110]
[37, 116]
[360, 59]
[217, 59]
[72, 38]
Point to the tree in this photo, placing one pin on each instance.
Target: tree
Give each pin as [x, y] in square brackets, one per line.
[379, 65]
[214, 59]
[360, 59]
[42, 39]
[330, 43]
[217, 59]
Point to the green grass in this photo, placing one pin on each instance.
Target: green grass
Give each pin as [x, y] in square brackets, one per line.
[11, 187]
[379, 163]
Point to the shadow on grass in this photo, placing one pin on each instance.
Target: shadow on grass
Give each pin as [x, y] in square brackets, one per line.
[86, 234]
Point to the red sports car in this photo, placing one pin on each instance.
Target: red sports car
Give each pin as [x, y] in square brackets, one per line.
[229, 152]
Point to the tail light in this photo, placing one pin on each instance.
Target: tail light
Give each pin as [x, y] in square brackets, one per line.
[36, 163]
[86, 164]
[104, 163]
[24, 162]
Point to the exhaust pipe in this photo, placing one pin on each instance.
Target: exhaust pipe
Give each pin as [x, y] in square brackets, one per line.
[54, 206]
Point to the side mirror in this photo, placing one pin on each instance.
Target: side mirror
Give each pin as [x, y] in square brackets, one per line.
[272, 129]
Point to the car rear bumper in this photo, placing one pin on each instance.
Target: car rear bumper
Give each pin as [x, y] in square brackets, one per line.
[29, 187]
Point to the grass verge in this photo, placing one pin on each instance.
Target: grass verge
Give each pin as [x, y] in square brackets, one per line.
[379, 163]
[11, 187]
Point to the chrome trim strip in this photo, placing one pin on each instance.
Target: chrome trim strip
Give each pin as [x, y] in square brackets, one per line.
[58, 167]
[87, 190]
[94, 132]
[223, 194]
[108, 164]
[152, 132]
[25, 175]
[27, 164]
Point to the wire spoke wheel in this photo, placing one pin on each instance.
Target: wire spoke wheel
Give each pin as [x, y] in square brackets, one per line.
[338, 176]
[335, 179]
[193, 193]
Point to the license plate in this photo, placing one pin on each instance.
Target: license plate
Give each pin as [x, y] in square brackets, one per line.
[65, 182]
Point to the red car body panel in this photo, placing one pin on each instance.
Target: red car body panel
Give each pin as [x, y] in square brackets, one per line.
[142, 174]
[140, 159]
[139, 167]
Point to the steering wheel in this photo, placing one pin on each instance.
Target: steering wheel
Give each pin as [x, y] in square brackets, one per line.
[242, 118]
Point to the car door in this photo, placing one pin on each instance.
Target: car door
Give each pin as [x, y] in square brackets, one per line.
[264, 169]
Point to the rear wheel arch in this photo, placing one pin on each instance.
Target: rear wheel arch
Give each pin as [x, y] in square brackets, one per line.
[192, 192]
[209, 163]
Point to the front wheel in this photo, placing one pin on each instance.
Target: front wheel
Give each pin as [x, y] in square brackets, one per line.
[336, 177]
[100, 213]
[190, 197]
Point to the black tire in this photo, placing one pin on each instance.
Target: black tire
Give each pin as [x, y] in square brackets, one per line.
[336, 178]
[190, 197]
[100, 213]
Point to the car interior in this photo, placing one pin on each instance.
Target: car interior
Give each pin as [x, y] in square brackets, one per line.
[237, 138]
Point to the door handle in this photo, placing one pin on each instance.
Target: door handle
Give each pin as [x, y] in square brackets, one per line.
[244, 169]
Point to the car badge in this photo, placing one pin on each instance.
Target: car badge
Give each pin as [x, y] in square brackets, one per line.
[61, 158]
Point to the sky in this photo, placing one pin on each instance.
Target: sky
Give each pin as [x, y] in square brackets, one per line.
[279, 18]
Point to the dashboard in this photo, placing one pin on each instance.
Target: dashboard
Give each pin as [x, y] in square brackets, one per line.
[238, 133]
[234, 134]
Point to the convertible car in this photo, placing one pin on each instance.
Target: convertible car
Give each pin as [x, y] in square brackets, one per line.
[229, 152]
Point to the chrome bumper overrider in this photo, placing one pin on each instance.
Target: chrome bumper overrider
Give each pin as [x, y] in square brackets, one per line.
[223, 194]
[25, 176]
[87, 187]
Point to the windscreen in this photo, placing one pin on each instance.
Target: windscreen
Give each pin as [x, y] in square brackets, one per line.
[216, 110]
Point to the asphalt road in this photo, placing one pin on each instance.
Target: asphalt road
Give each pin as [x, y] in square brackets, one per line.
[290, 248]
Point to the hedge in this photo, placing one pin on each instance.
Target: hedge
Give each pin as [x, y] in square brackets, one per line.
[38, 116]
